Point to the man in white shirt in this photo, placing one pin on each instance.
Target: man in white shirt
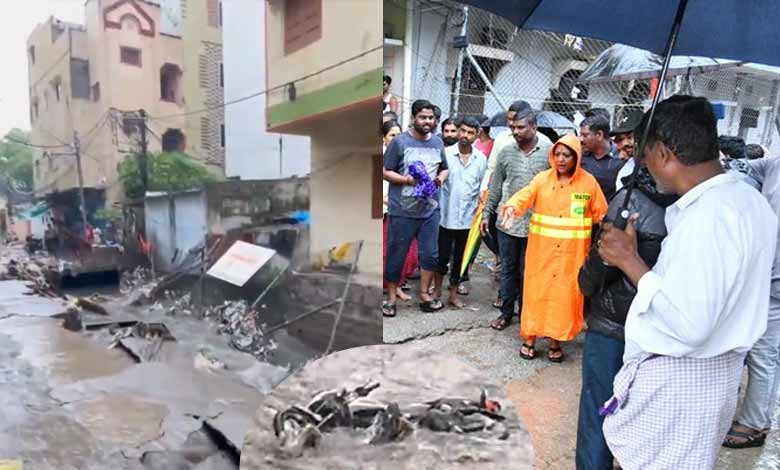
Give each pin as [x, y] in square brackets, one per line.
[699, 310]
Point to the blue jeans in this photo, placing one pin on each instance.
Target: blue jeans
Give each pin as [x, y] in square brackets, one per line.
[763, 362]
[400, 233]
[601, 361]
[512, 252]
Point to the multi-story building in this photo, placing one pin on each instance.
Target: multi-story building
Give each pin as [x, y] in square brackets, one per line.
[324, 71]
[161, 56]
[251, 151]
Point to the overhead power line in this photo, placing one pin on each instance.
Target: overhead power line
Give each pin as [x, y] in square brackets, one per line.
[269, 90]
[37, 146]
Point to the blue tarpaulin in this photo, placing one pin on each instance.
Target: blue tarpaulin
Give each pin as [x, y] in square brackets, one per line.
[33, 212]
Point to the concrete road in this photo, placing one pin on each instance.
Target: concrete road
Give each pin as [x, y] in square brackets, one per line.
[545, 394]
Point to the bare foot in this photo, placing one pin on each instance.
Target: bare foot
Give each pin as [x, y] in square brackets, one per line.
[402, 295]
[454, 301]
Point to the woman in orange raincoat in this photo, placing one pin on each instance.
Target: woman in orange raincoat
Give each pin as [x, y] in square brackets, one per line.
[566, 201]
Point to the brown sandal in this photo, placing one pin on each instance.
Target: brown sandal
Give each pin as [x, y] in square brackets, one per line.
[501, 323]
[744, 439]
[556, 359]
[530, 352]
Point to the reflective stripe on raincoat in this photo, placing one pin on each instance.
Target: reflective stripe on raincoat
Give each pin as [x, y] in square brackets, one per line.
[558, 243]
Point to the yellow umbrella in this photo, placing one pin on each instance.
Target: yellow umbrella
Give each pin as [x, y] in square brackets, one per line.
[474, 235]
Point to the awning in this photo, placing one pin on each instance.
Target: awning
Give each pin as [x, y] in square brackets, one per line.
[35, 211]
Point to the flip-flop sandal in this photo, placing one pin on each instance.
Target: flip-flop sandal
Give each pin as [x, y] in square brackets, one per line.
[530, 355]
[388, 310]
[558, 359]
[462, 289]
[746, 440]
[501, 323]
[455, 305]
[406, 286]
[498, 303]
[431, 306]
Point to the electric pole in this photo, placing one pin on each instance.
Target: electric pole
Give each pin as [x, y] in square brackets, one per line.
[143, 165]
[82, 205]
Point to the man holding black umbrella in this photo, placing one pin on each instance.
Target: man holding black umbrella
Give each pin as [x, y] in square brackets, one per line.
[701, 307]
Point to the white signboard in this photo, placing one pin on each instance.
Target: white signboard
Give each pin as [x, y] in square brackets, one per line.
[240, 263]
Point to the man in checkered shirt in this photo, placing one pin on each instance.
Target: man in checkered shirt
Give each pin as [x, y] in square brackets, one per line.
[699, 309]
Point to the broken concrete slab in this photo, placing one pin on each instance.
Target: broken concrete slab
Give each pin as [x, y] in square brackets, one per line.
[232, 427]
[91, 306]
[18, 301]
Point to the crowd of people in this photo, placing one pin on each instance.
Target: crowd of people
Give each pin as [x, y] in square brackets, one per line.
[674, 305]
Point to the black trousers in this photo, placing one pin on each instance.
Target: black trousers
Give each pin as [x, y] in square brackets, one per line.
[452, 244]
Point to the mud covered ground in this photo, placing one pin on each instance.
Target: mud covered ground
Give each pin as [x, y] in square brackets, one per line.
[407, 374]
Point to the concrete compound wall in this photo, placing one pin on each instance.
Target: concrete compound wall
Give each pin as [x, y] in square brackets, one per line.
[260, 212]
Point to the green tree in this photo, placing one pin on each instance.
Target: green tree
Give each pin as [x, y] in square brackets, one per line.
[16, 159]
[168, 171]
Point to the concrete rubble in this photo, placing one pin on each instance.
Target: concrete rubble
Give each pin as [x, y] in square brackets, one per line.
[237, 321]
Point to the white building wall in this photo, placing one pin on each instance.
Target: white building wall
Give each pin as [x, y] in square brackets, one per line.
[252, 153]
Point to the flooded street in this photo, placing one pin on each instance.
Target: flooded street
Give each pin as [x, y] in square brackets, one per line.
[67, 401]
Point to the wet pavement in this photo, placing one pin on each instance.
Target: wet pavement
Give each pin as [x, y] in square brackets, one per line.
[546, 395]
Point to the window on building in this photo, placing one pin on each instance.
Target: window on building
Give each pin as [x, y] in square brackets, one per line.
[222, 135]
[130, 56]
[302, 24]
[56, 84]
[31, 53]
[376, 187]
[130, 125]
[205, 132]
[212, 10]
[96, 91]
[170, 83]
[34, 109]
[222, 75]
[79, 79]
[173, 141]
[203, 71]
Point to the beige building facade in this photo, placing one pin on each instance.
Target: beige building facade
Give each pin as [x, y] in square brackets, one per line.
[324, 70]
[90, 78]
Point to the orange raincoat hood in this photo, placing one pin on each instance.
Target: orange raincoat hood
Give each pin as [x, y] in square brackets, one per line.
[573, 142]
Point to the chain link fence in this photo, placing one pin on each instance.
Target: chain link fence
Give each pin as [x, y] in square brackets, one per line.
[500, 63]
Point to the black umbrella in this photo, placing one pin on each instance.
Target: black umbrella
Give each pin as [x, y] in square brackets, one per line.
[729, 29]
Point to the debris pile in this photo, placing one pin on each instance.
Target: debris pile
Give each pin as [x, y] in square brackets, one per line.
[143, 340]
[37, 271]
[179, 304]
[138, 285]
[239, 322]
[301, 427]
